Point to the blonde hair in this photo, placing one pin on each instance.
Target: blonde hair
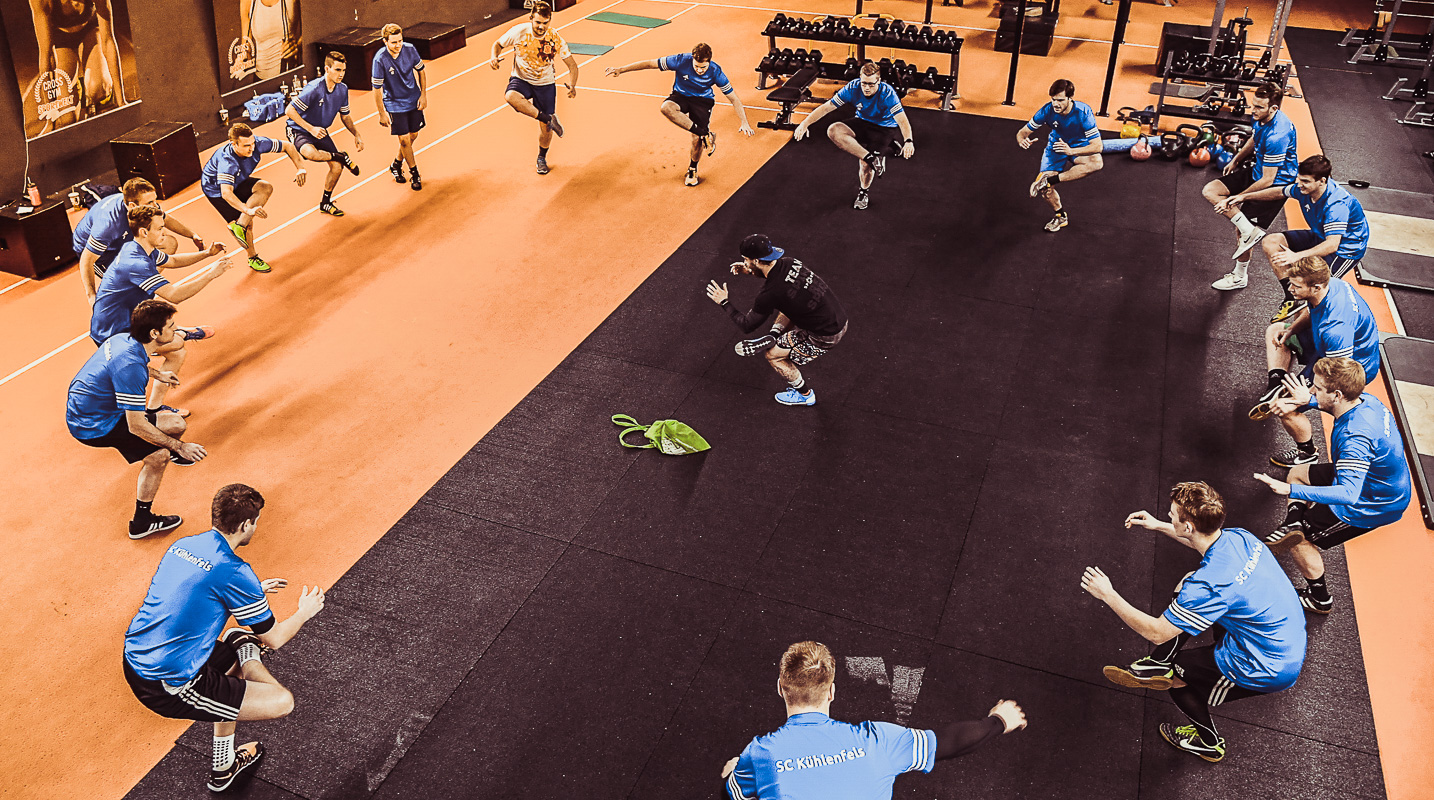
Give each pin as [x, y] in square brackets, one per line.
[807, 672]
[1311, 270]
[389, 30]
[1343, 375]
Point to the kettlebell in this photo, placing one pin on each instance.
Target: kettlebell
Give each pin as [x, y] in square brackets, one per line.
[1200, 157]
[1130, 129]
[1140, 151]
[1169, 145]
[1221, 155]
[1209, 136]
[1189, 136]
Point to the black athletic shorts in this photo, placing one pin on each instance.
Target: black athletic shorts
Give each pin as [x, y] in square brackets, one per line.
[402, 123]
[243, 191]
[806, 346]
[121, 438]
[212, 696]
[1321, 527]
[1260, 212]
[878, 139]
[1306, 239]
[544, 98]
[697, 109]
[299, 137]
[1196, 666]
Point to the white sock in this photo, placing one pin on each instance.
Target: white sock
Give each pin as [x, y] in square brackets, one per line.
[248, 652]
[1242, 269]
[223, 752]
[1242, 223]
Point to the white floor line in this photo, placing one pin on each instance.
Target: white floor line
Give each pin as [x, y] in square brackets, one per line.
[15, 285]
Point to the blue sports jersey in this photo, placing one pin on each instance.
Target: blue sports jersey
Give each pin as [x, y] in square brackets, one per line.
[226, 168]
[1371, 477]
[104, 228]
[687, 81]
[318, 106]
[1335, 213]
[132, 278]
[398, 77]
[879, 109]
[1241, 587]
[111, 382]
[198, 584]
[1076, 128]
[1343, 326]
[814, 757]
[1275, 146]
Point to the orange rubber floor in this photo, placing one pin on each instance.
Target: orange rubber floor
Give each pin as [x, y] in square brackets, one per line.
[386, 343]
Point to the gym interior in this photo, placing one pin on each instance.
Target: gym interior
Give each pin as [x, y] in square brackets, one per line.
[518, 606]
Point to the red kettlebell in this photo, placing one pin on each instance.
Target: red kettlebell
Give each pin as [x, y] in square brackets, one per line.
[1200, 157]
[1141, 150]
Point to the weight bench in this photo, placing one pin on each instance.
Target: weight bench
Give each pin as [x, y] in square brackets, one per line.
[792, 93]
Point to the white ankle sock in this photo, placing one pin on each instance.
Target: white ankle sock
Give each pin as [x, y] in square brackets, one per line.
[1242, 223]
[1242, 269]
[247, 652]
[223, 752]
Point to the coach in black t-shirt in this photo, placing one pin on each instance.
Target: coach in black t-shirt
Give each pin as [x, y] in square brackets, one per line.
[810, 319]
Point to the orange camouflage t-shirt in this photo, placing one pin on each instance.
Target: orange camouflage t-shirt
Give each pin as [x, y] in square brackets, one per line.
[534, 55]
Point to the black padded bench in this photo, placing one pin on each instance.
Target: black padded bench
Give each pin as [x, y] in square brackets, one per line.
[792, 93]
[434, 39]
[358, 45]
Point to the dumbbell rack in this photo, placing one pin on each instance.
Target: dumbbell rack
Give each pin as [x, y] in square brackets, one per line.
[834, 71]
[1190, 112]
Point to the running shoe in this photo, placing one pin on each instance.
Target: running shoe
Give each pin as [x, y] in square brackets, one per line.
[180, 461]
[691, 179]
[1265, 405]
[1232, 280]
[417, 183]
[1060, 220]
[240, 232]
[331, 209]
[555, 126]
[1293, 457]
[245, 756]
[182, 412]
[792, 397]
[878, 164]
[1039, 186]
[197, 332]
[397, 169]
[1288, 309]
[1188, 739]
[1307, 599]
[258, 264]
[1248, 241]
[349, 163]
[863, 199]
[1146, 673]
[1292, 532]
[542, 165]
[710, 142]
[140, 528]
[751, 347]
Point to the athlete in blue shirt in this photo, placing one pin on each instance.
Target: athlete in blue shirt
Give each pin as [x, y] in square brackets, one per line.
[1240, 591]
[227, 183]
[1337, 323]
[1267, 159]
[880, 128]
[311, 114]
[1366, 485]
[689, 107]
[105, 408]
[401, 95]
[814, 757]
[105, 227]
[175, 660]
[1072, 150]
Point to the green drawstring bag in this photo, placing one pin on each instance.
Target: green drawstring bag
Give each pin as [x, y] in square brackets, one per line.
[668, 435]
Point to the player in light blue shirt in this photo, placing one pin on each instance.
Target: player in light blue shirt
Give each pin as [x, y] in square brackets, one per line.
[1239, 591]
[1366, 485]
[311, 115]
[1267, 159]
[1072, 150]
[105, 228]
[175, 660]
[814, 757]
[401, 95]
[689, 107]
[879, 129]
[1338, 322]
[228, 185]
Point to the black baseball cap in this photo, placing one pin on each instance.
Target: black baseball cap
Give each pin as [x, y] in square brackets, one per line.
[758, 246]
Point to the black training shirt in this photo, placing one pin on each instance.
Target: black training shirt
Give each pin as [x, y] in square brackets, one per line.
[796, 291]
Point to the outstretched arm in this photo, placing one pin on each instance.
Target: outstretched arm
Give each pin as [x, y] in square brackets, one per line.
[741, 110]
[813, 118]
[613, 72]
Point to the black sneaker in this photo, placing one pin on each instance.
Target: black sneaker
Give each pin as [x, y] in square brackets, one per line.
[710, 142]
[1292, 533]
[1188, 739]
[415, 183]
[1146, 673]
[751, 347]
[245, 756]
[397, 169]
[878, 164]
[140, 528]
[1293, 457]
[348, 163]
[555, 126]
[863, 199]
[331, 209]
[1307, 599]
[1288, 309]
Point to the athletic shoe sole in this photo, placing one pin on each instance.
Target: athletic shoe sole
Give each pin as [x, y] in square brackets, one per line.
[1286, 535]
[751, 347]
[218, 783]
[197, 333]
[690, 180]
[711, 143]
[1167, 732]
[1057, 223]
[240, 232]
[1311, 604]
[1287, 310]
[555, 126]
[332, 210]
[1121, 676]
[157, 529]
[862, 201]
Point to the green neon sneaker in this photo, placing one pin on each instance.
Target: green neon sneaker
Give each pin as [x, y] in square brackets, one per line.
[258, 264]
[1188, 739]
[240, 232]
[1143, 674]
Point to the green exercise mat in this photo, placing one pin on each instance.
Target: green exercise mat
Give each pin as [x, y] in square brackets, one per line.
[628, 19]
[588, 49]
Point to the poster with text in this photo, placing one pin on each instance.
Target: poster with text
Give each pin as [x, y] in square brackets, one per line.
[258, 40]
[73, 59]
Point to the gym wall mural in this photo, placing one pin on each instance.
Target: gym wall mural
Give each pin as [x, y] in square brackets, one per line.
[73, 60]
[258, 40]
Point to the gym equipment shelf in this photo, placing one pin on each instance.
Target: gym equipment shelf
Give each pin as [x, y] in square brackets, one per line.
[1231, 85]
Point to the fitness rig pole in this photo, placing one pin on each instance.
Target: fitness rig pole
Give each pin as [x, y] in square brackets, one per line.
[1015, 55]
[1122, 16]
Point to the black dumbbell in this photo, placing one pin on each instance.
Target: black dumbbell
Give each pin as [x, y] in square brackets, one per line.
[769, 61]
[784, 61]
[861, 35]
[843, 23]
[776, 26]
[814, 58]
[912, 77]
[852, 69]
[828, 26]
[879, 25]
[885, 65]
[938, 40]
[898, 67]
[799, 58]
[928, 81]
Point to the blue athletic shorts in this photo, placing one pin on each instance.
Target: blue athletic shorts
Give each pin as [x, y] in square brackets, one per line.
[1051, 161]
[544, 97]
[403, 123]
[1305, 239]
[299, 137]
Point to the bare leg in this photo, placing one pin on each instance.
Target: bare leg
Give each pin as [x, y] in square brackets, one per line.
[263, 190]
[151, 471]
[777, 357]
[1277, 356]
[174, 355]
[1272, 244]
[405, 149]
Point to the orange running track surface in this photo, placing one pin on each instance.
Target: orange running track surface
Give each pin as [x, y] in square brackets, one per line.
[343, 384]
